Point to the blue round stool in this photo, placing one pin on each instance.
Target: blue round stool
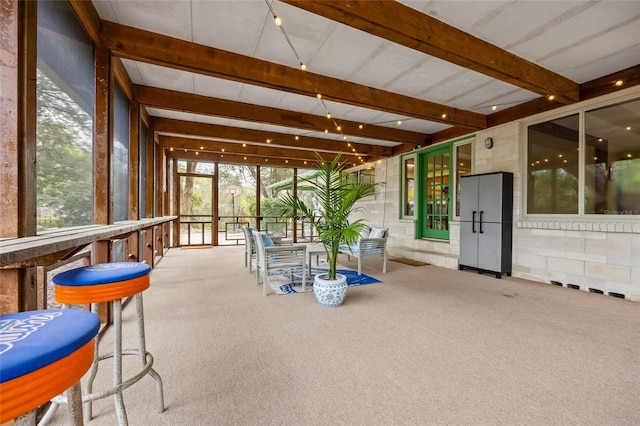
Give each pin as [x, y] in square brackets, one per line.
[44, 353]
[110, 282]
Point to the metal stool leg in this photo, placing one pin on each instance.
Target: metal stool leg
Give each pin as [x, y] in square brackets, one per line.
[144, 356]
[117, 362]
[93, 371]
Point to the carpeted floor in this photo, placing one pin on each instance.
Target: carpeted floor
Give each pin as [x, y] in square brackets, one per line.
[431, 346]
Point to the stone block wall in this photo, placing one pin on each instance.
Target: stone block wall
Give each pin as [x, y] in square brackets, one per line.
[589, 255]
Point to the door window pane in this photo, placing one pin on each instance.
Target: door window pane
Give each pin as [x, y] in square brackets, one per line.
[553, 166]
[437, 194]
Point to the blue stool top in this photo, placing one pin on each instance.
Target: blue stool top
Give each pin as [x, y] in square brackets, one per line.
[34, 339]
[103, 273]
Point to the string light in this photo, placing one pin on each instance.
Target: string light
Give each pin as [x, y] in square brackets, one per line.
[303, 67]
[551, 97]
[494, 107]
[619, 83]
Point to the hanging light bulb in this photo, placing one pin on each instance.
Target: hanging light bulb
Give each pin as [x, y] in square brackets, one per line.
[360, 126]
[319, 96]
[277, 20]
[494, 107]
[303, 67]
[328, 114]
[399, 122]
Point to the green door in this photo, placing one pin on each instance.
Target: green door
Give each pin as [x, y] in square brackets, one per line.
[435, 200]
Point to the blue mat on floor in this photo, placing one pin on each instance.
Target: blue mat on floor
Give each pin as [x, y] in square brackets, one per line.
[287, 285]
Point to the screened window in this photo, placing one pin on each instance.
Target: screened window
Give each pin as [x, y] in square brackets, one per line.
[142, 190]
[120, 157]
[65, 113]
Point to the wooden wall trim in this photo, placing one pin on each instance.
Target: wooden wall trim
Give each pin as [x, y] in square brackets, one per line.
[101, 147]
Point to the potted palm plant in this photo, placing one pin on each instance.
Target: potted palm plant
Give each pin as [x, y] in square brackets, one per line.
[336, 200]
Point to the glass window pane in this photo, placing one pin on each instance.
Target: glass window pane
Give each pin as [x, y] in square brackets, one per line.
[368, 175]
[463, 167]
[612, 159]
[552, 166]
[65, 112]
[408, 189]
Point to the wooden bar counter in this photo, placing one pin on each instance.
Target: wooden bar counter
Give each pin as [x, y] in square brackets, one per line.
[50, 246]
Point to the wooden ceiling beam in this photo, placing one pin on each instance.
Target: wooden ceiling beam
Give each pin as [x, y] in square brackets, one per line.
[240, 159]
[206, 130]
[140, 45]
[604, 85]
[264, 151]
[402, 24]
[204, 105]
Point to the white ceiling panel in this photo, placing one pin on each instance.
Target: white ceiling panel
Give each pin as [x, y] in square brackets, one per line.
[172, 18]
[581, 40]
[216, 87]
[236, 25]
[166, 78]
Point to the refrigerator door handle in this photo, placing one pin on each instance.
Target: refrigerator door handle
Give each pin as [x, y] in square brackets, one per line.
[480, 221]
[473, 222]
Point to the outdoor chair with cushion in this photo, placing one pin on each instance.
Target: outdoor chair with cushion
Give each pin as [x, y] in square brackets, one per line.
[278, 260]
[372, 245]
[249, 247]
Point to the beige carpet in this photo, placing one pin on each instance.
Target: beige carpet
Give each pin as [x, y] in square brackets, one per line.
[443, 347]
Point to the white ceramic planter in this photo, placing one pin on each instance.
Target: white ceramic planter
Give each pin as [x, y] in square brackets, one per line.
[330, 293]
